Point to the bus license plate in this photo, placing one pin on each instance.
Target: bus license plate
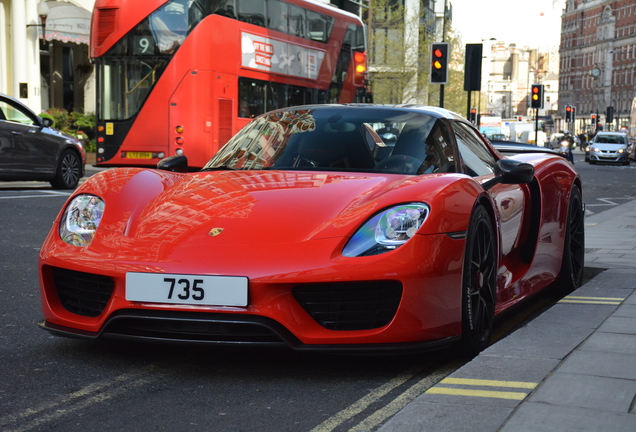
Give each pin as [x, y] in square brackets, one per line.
[186, 289]
[139, 155]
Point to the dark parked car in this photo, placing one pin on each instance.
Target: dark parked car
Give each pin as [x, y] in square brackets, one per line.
[30, 149]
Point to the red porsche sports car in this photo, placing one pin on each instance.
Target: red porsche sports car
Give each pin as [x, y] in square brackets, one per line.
[330, 227]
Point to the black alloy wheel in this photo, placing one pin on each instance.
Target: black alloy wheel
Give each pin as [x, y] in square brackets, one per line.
[68, 171]
[574, 247]
[479, 285]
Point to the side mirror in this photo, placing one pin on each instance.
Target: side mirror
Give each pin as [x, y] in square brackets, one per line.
[174, 164]
[511, 172]
[45, 121]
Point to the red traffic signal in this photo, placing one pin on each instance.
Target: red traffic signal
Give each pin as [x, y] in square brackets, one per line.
[439, 63]
[569, 113]
[536, 96]
[473, 115]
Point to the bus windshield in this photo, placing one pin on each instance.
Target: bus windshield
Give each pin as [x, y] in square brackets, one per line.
[131, 68]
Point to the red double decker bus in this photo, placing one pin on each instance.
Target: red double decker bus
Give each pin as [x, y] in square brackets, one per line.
[180, 77]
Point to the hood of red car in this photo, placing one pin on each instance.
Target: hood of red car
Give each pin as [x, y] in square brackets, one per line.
[244, 207]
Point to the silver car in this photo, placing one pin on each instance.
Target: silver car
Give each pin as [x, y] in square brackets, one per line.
[30, 149]
[609, 147]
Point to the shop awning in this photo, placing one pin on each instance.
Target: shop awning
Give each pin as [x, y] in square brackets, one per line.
[67, 23]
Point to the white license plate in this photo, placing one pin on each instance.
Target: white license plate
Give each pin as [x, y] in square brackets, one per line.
[186, 289]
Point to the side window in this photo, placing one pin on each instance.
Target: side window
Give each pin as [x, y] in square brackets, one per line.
[297, 21]
[252, 11]
[278, 15]
[475, 156]
[15, 114]
[319, 26]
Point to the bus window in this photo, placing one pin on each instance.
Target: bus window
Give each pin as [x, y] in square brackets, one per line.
[319, 26]
[296, 21]
[278, 15]
[276, 96]
[354, 38]
[220, 7]
[169, 27]
[252, 11]
[252, 97]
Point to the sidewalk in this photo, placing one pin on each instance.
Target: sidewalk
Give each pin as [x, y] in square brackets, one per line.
[571, 369]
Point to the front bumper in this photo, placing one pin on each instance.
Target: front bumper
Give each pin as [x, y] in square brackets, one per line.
[609, 157]
[426, 311]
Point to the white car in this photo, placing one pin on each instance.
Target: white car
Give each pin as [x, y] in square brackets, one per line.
[609, 147]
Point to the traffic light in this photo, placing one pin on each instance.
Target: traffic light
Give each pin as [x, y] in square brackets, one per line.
[568, 113]
[536, 96]
[439, 63]
[593, 118]
[573, 113]
[609, 114]
[473, 115]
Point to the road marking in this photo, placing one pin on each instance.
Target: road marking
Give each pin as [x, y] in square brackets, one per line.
[390, 409]
[47, 194]
[83, 398]
[489, 383]
[359, 406]
[477, 393]
[592, 300]
[381, 415]
[498, 394]
[608, 202]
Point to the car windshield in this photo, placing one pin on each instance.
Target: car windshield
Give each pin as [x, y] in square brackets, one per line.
[340, 139]
[611, 139]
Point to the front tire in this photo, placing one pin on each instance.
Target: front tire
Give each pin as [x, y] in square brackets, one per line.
[571, 276]
[479, 285]
[69, 170]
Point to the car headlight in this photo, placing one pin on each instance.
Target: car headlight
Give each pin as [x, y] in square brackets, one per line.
[595, 149]
[80, 220]
[621, 150]
[387, 230]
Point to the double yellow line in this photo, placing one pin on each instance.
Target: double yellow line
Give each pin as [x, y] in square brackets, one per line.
[441, 388]
[592, 300]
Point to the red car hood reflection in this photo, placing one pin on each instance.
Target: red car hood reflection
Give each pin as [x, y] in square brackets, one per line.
[243, 207]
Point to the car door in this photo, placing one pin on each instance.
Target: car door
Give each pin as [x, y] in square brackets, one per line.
[24, 147]
[510, 199]
[6, 144]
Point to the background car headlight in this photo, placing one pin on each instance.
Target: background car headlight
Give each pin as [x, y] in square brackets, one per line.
[80, 220]
[387, 230]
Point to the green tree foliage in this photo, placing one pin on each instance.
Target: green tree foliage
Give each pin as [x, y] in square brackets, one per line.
[400, 69]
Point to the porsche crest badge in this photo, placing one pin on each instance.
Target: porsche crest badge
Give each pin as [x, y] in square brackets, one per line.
[215, 231]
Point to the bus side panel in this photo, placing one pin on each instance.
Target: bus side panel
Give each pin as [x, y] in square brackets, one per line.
[154, 128]
[203, 105]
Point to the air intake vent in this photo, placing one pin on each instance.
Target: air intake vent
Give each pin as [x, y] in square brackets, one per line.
[106, 24]
[81, 293]
[351, 306]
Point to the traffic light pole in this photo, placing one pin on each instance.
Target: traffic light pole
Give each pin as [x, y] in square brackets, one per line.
[469, 105]
[441, 95]
[536, 126]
